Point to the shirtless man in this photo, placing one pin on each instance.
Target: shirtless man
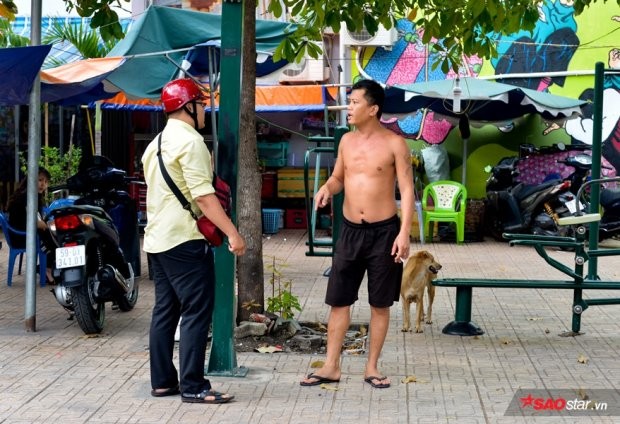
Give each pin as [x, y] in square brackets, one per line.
[370, 160]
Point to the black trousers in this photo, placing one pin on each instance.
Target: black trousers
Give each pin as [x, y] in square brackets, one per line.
[184, 279]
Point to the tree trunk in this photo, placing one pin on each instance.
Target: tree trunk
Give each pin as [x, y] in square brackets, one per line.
[250, 266]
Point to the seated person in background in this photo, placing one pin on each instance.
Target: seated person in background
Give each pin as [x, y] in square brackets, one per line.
[17, 219]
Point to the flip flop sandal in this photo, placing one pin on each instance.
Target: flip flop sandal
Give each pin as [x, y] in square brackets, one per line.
[370, 381]
[318, 380]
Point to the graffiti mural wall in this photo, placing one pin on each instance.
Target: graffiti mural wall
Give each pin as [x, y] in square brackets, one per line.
[560, 41]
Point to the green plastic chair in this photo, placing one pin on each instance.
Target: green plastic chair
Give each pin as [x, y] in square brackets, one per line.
[448, 200]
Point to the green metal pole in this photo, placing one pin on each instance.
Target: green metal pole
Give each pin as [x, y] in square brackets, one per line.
[462, 312]
[462, 324]
[576, 321]
[338, 201]
[578, 303]
[597, 137]
[223, 360]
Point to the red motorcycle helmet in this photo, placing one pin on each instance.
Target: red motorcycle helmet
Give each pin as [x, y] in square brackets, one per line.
[179, 92]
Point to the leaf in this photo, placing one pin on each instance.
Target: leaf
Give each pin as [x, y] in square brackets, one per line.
[269, 349]
[506, 341]
[317, 364]
[329, 387]
[409, 379]
[535, 319]
[582, 359]
[413, 379]
[90, 336]
[5, 12]
[275, 7]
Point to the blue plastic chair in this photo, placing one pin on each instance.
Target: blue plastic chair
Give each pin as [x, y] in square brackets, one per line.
[14, 252]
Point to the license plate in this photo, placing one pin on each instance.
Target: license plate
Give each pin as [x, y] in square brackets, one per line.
[68, 257]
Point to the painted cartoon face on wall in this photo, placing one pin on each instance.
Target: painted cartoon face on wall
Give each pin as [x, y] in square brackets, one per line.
[614, 58]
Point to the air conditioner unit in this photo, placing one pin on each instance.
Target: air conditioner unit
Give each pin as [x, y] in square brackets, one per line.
[308, 70]
[385, 38]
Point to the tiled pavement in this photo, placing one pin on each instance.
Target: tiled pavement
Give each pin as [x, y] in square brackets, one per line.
[57, 374]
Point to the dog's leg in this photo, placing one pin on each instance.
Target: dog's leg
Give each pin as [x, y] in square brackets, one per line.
[419, 313]
[406, 316]
[431, 297]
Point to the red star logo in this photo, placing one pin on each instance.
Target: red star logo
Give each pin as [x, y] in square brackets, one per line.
[527, 401]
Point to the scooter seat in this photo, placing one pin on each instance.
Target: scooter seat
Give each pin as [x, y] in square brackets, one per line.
[609, 196]
[523, 191]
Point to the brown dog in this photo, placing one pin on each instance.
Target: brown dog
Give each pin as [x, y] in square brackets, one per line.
[420, 270]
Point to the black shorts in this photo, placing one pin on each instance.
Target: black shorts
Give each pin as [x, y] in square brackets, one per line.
[364, 248]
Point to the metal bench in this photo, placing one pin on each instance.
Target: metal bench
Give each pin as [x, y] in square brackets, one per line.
[463, 325]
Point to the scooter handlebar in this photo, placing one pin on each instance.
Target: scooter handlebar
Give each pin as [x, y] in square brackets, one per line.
[58, 188]
[134, 180]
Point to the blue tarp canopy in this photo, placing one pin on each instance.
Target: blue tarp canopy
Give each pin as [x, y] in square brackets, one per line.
[198, 57]
[157, 43]
[19, 67]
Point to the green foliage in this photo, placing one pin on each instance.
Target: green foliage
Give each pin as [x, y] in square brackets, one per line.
[8, 38]
[59, 166]
[465, 27]
[103, 17]
[85, 40]
[469, 25]
[282, 300]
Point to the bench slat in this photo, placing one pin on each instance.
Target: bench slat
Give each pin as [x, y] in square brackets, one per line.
[527, 284]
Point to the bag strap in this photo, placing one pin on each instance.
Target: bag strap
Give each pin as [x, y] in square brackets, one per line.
[186, 205]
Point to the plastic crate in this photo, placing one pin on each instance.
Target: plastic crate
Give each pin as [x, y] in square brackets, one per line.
[273, 154]
[296, 219]
[271, 220]
[269, 187]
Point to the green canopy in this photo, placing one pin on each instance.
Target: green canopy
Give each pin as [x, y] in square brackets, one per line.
[163, 34]
[480, 100]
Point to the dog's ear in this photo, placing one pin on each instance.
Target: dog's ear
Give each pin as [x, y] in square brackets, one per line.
[424, 254]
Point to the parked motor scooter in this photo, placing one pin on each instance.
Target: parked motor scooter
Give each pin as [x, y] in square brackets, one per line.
[97, 233]
[515, 207]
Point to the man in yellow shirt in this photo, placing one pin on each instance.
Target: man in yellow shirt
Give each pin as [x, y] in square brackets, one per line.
[182, 261]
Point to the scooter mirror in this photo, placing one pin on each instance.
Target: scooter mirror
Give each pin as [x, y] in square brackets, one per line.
[561, 146]
[583, 159]
[488, 169]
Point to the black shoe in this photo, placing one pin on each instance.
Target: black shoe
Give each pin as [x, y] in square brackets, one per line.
[172, 391]
[206, 396]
